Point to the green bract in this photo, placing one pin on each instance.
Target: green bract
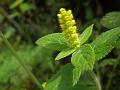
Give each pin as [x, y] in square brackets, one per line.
[55, 41]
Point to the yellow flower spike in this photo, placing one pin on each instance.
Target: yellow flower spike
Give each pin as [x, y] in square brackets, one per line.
[62, 9]
[67, 18]
[71, 16]
[69, 12]
[73, 36]
[70, 23]
[72, 31]
[62, 26]
[59, 15]
[67, 24]
[73, 22]
[75, 42]
[61, 21]
[72, 28]
[63, 12]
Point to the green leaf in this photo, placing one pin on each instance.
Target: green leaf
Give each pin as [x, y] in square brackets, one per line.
[86, 34]
[111, 20]
[64, 78]
[82, 59]
[64, 53]
[55, 41]
[85, 55]
[104, 43]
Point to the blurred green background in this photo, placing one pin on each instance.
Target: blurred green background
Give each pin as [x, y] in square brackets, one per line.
[25, 21]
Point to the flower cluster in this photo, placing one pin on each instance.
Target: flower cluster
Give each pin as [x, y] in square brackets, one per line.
[67, 24]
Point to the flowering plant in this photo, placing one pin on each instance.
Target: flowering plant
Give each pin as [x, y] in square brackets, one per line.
[84, 55]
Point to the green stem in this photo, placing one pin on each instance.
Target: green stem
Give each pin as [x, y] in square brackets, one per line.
[96, 81]
[34, 79]
[111, 76]
[97, 71]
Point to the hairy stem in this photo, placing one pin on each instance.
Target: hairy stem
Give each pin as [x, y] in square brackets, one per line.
[96, 81]
[111, 76]
[20, 60]
[97, 71]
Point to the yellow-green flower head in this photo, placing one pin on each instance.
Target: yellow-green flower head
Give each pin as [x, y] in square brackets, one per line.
[67, 24]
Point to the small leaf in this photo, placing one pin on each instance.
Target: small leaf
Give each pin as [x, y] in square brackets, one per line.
[83, 59]
[55, 41]
[111, 20]
[64, 53]
[104, 43]
[86, 34]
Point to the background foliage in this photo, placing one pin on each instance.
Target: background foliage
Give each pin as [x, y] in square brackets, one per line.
[24, 21]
